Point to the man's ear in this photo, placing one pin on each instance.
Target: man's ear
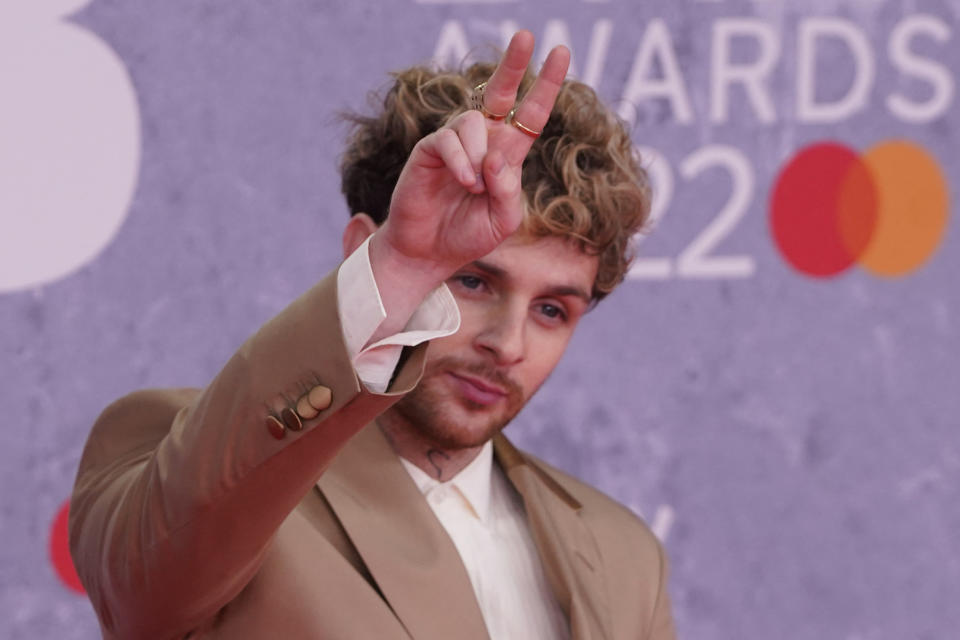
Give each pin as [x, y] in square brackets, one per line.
[359, 228]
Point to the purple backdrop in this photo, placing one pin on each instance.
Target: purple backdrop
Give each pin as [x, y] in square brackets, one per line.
[168, 182]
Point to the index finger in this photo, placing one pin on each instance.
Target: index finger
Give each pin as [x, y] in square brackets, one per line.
[535, 109]
[500, 93]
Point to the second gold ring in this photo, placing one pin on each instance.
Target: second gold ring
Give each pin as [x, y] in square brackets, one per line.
[511, 119]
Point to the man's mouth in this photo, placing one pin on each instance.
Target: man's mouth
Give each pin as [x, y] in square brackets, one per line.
[477, 390]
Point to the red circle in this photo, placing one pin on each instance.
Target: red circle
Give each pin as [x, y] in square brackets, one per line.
[824, 209]
[60, 550]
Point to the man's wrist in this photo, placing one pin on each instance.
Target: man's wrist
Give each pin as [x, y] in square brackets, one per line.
[389, 264]
[403, 283]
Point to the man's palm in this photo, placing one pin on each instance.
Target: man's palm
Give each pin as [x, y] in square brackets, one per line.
[459, 195]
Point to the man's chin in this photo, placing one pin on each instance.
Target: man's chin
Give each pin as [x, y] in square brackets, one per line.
[462, 426]
[447, 413]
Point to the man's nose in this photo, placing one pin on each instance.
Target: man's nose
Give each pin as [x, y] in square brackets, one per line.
[504, 335]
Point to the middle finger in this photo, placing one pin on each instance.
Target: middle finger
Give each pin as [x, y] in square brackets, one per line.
[534, 111]
[500, 94]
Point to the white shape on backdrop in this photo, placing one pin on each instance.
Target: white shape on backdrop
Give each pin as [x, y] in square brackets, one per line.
[69, 143]
[857, 98]
[656, 49]
[698, 259]
[937, 75]
[753, 76]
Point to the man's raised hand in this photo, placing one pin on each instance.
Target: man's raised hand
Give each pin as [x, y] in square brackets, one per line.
[459, 194]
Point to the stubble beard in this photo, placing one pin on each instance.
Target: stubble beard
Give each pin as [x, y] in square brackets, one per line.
[432, 410]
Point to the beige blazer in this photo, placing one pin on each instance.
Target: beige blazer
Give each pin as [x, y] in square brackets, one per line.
[189, 519]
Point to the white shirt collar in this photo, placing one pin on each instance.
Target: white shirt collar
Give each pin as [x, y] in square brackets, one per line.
[473, 482]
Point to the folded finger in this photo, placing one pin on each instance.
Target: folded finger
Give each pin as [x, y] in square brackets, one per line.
[472, 131]
[504, 192]
[446, 144]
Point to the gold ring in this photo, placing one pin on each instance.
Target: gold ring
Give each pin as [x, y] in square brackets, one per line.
[519, 125]
[476, 99]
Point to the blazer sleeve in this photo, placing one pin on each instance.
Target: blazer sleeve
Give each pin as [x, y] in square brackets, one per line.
[180, 491]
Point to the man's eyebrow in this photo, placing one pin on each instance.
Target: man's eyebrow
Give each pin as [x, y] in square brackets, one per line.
[561, 291]
[557, 290]
[490, 269]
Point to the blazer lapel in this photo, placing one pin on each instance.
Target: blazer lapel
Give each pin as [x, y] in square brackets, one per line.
[406, 549]
[569, 552]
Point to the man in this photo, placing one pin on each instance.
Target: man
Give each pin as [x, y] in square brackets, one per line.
[335, 480]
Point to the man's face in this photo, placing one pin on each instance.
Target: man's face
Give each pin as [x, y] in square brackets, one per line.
[519, 306]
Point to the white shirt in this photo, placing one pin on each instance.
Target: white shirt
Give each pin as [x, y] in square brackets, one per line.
[362, 312]
[479, 508]
[484, 516]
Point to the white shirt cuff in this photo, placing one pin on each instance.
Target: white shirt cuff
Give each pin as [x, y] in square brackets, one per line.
[361, 314]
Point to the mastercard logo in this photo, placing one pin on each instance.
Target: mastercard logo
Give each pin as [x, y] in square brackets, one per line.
[885, 209]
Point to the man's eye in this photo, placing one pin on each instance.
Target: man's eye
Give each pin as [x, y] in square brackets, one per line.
[552, 311]
[470, 282]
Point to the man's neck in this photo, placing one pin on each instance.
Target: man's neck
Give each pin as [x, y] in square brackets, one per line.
[436, 461]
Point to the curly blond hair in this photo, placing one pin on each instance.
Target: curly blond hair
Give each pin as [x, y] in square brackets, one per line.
[582, 178]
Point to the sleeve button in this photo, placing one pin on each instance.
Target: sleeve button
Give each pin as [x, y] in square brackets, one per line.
[320, 397]
[276, 428]
[291, 419]
[306, 410]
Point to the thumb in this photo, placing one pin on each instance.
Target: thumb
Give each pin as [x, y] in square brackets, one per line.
[504, 193]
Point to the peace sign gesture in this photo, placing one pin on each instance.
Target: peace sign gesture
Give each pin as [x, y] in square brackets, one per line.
[459, 194]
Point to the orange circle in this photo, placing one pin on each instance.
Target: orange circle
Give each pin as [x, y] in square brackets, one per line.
[912, 208]
[885, 209]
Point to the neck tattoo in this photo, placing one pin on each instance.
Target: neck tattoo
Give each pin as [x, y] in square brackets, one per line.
[433, 455]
